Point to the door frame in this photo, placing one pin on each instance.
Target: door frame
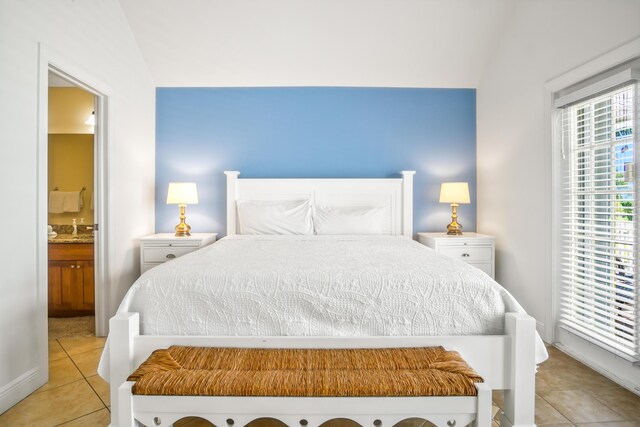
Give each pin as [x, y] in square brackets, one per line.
[58, 63]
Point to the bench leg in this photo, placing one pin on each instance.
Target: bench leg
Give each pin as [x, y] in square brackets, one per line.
[519, 399]
[123, 328]
[125, 403]
[483, 417]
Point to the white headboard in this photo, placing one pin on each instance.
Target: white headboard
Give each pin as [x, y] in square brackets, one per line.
[394, 194]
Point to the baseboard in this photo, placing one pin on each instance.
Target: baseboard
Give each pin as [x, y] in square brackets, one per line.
[18, 389]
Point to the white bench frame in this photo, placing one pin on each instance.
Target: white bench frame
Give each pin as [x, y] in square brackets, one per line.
[506, 362]
[305, 411]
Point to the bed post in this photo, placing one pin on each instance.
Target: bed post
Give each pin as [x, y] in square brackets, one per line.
[122, 328]
[519, 399]
[407, 203]
[232, 180]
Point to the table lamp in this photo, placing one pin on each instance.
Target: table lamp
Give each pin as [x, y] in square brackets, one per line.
[182, 194]
[454, 193]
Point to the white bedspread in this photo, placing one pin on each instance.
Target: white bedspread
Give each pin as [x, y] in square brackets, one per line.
[318, 286]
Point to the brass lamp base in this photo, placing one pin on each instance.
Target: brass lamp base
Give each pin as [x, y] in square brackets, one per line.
[183, 229]
[454, 228]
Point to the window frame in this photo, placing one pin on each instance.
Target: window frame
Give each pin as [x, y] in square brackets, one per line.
[592, 303]
[615, 368]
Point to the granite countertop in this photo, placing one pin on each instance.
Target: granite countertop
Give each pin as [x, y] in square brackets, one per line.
[69, 238]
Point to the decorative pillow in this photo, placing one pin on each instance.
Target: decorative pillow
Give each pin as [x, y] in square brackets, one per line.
[274, 217]
[349, 220]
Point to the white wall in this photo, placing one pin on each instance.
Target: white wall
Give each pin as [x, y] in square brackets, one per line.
[94, 35]
[407, 43]
[541, 40]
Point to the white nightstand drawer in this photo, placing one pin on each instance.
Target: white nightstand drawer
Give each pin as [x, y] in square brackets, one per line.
[472, 248]
[163, 247]
[470, 254]
[178, 244]
[165, 254]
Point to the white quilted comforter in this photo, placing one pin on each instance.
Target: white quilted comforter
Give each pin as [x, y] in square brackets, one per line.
[319, 286]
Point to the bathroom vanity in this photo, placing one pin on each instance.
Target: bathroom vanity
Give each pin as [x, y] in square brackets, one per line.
[71, 276]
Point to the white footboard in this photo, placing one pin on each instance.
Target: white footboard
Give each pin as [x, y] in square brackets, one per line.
[506, 362]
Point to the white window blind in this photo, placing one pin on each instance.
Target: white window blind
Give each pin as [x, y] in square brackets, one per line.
[599, 220]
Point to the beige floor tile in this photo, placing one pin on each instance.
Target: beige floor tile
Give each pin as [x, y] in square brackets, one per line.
[611, 424]
[266, 422]
[412, 422]
[547, 414]
[498, 398]
[192, 422]
[56, 351]
[88, 362]
[620, 400]
[99, 418]
[61, 372]
[101, 387]
[572, 378]
[76, 345]
[494, 411]
[340, 422]
[578, 406]
[558, 360]
[53, 407]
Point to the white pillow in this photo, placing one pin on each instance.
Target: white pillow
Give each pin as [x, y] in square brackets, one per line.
[349, 220]
[274, 217]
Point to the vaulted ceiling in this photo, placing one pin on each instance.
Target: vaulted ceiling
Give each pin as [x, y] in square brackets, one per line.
[398, 43]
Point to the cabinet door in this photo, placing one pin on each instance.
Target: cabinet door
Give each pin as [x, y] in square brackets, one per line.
[75, 286]
[88, 285]
[71, 288]
[55, 285]
[64, 278]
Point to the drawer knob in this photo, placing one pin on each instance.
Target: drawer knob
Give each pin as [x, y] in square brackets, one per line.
[73, 266]
[466, 255]
[170, 256]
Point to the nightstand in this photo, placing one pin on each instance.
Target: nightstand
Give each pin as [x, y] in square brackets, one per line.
[472, 248]
[162, 247]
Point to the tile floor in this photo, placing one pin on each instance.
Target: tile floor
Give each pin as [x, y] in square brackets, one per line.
[567, 394]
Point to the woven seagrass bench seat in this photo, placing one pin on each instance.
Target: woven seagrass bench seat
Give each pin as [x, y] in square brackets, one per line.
[200, 371]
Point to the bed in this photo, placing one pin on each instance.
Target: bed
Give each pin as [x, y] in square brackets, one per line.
[329, 291]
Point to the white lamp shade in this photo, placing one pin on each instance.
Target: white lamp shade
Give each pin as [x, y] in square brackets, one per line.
[182, 193]
[454, 192]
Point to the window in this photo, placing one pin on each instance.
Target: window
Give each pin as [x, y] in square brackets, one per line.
[599, 222]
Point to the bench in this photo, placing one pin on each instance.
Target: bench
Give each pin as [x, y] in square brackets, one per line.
[306, 387]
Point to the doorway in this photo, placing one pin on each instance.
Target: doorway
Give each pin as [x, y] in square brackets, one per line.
[70, 209]
[52, 62]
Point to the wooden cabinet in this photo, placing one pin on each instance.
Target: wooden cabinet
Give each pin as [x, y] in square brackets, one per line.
[71, 279]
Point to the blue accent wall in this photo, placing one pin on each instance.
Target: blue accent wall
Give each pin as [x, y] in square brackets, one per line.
[314, 132]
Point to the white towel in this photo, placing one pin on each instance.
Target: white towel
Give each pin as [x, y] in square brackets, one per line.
[56, 202]
[72, 201]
